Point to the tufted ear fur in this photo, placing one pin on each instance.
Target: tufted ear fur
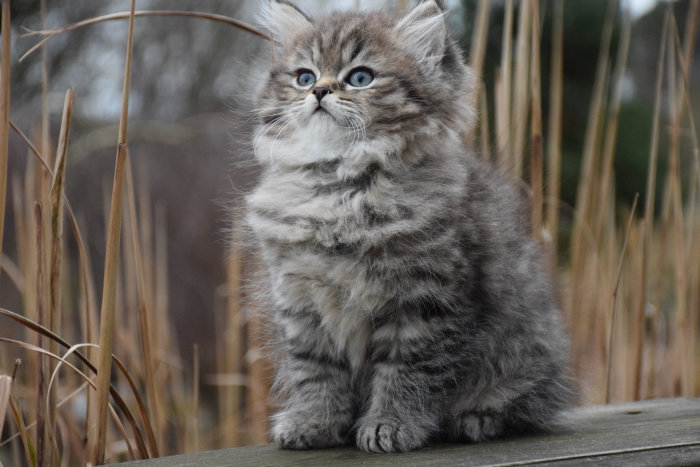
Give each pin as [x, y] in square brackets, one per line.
[282, 20]
[424, 32]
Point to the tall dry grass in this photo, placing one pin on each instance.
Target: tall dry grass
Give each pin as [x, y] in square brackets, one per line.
[630, 280]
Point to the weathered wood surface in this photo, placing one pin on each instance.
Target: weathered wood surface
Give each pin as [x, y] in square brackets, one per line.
[650, 433]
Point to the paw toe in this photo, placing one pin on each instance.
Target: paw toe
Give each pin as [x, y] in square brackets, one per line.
[388, 436]
[478, 425]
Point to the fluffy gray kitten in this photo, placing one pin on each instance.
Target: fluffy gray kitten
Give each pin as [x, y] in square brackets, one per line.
[411, 302]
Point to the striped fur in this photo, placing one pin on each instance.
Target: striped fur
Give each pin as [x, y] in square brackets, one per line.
[410, 301]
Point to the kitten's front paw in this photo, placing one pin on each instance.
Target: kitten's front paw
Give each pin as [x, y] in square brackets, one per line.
[478, 425]
[390, 435]
[306, 431]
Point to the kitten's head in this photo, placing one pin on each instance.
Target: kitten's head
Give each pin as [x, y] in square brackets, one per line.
[358, 76]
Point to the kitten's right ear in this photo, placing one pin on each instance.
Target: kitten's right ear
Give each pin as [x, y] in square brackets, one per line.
[283, 20]
[424, 32]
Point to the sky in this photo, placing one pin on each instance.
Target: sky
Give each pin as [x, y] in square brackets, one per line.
[639, 7]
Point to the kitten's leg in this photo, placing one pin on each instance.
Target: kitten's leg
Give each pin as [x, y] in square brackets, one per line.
[320, 407]
[411, 372]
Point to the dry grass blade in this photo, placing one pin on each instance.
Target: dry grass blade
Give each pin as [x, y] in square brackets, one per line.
[555, 128]
[45, 126]
[195, 399]
[478, 49]
[56, 203]
[649, 200]
[521, 89]
[68, 353]
[29, 450]
[63, 360]
[612, 123]
[43, 452]
[109, 289]
[122, 431]
[60, 404]
[82, 250]
[143, 310]
[51, 33]
[56, 200]
[536, 123]
[58, 358]
[5, 49]
[611, 326]
[590, 150]
[13, 272]
[503, 94]
[118, 400]
[5, 391]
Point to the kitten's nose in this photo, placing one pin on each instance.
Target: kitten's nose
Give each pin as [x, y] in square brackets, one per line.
[320, 92]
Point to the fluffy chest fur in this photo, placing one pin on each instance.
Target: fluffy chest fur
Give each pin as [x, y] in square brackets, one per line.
[341, 223]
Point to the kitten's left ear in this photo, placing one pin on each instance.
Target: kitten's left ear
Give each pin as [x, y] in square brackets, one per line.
[283, 20]
[424, 31]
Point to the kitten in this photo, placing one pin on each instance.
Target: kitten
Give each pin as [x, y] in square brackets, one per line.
[411, 303]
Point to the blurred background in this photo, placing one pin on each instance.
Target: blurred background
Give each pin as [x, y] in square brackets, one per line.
[207, 375]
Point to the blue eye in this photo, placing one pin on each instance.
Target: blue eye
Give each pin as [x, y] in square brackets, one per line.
[305, 78]
[360, 77]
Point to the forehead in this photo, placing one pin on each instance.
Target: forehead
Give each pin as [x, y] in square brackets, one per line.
[342, 38]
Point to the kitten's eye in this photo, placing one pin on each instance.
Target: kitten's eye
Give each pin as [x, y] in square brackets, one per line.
[305, 78]
[360, 77]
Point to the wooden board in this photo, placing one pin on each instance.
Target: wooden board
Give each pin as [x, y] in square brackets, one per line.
[649, 433]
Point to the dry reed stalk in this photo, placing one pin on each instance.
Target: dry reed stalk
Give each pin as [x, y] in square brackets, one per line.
[57, 205]
[145, 223]
[127, 314]
[610, 138]
[587, 260]
[478, 49]
[233, 345]
[51, 33]
[629, 337]
[27, 253]
[686, 325]
[45, 126]
[5, 65]
[584, 195]
[144, 309]
[649, 202]
[536, 123]
[27, 445]
[20, 231]
[122, 432]
[521, 90]
[111, 263]
[555, 129]
[679, 344]
[195, 398]
[159, 252]
[693, 273]
[484, 129]
[155, 252]
[31, 255]
[503, 92]
[258, 365]
[613, 311]
[5, 391]
[43, 454]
